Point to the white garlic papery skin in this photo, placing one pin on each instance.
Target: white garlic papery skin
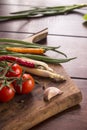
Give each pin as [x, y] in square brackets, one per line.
[51, 92]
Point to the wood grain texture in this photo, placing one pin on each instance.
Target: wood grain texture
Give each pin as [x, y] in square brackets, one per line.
[24, 112]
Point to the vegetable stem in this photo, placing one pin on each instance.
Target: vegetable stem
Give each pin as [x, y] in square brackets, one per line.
[38, 57]
[42, 11]
[19, 43]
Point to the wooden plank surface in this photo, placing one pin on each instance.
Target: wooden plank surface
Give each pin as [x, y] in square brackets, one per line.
[25, 111]
[71, 32]
[64, 23]
[41, 2]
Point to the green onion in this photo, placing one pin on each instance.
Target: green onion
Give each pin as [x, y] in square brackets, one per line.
[19, 43]
[37, 57]
[41, 12]
[44, 58]
[22, 43]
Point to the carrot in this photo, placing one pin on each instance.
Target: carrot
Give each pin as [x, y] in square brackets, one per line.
[39, 51]
[31, 50]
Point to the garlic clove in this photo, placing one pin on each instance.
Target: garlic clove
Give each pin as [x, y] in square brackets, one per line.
[51, 92]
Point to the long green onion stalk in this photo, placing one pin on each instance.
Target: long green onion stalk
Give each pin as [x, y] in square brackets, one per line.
[41, 11]
[9, 43]
[23, 43]
[37, 57]
[19, 43]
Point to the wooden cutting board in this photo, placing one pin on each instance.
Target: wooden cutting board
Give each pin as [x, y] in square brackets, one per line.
[26, 111]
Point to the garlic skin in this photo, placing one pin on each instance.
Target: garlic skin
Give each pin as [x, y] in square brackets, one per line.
[51, 92]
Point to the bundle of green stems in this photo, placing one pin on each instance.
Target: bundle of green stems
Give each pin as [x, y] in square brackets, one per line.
[41, 12]
[18, 43]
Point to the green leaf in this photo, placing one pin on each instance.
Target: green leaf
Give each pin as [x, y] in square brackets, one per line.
[85, 17]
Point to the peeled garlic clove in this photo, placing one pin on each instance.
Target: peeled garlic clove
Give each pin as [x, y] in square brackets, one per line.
[51, 92]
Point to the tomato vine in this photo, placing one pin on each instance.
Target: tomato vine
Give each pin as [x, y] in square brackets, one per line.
[14, 80]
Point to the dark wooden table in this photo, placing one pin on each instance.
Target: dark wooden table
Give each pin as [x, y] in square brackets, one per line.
[70, 32]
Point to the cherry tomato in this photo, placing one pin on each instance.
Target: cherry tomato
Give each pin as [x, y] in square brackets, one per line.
[27, 84]
[7, 93]
[16, 71]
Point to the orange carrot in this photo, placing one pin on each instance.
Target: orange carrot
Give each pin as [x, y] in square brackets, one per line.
[26, 50]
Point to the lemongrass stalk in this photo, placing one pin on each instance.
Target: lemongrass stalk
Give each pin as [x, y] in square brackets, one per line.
[44, 73]
[20, 42]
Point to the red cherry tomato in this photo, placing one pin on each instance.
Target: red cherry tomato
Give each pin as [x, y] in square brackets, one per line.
[7, 93]
[27, 84]
[16, 71]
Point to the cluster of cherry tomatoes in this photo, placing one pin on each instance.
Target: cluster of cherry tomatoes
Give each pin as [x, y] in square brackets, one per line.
[8, 91]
